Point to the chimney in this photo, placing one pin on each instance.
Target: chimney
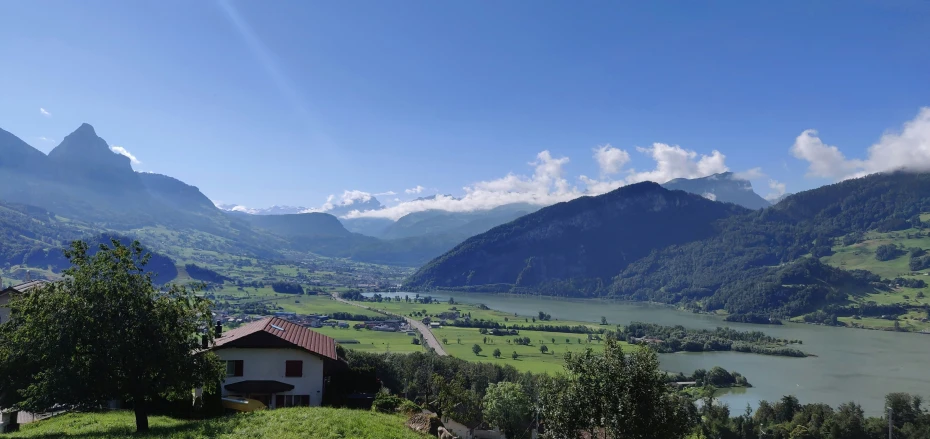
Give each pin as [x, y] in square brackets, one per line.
[203, 342]
[218, 330]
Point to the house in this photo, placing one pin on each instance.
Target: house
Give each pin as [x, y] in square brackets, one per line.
[385, 328]
[279, 363]
[10, 419]
[7, 293]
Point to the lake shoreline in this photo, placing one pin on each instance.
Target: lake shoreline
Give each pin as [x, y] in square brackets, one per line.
[879, 362]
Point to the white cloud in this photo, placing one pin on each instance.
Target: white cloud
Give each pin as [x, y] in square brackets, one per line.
[908, 148]
[46, 139]
[778, 189]
[350, 197]
[610, 160]
[825, 160]
[750, 174]
[710, 196]
[386, 194]
[44, 112]
[122, 151]
[546, 186]
[673, 161]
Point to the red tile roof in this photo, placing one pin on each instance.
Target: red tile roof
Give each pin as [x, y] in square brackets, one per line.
[297, 335]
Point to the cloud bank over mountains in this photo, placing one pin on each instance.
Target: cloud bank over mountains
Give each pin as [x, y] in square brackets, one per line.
[908, 148]
[547, 183]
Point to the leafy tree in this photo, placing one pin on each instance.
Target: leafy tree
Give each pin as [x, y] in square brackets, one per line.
[543, 349]
[476, 349]
[497, 353]
[719, 377]
[625, 396]
[887, 252]
[514, 355]
[445, 340]
[507, 407]
[106, 332]
[603, 320]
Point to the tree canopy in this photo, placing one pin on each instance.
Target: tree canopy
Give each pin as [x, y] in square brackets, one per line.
[105, 332]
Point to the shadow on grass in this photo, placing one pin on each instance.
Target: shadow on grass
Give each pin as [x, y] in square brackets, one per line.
[184, 430]
[189, 429]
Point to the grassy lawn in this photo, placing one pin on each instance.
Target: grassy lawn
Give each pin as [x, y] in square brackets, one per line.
[460, 341]
[309, 423]
[371, 341]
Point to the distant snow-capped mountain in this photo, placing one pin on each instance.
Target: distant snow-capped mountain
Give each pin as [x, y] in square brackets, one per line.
[273, 210]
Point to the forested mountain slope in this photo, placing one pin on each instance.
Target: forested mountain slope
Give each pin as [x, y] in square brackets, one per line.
[588, 239]
[750, 261]
[33, 237]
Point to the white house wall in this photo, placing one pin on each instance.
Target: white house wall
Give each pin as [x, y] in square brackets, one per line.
[263, 364]
[4, 311]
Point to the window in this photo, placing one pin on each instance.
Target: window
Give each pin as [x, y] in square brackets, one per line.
[291, 401]
[293, 368]
[234, 368]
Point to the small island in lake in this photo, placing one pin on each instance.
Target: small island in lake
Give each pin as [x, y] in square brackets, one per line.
[667, 339]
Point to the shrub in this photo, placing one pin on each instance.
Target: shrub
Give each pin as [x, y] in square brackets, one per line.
[409, 407]
[386, 403]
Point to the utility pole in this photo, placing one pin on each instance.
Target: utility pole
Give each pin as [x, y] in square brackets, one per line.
[890, 425]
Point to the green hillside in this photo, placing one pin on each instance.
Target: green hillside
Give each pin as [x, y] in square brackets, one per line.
[746, 263]
[304, 423]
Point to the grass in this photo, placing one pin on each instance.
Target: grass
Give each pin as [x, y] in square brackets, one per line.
[372, 341]
[476, 312]
[862, 256]
[319, 304]
[530, 359]
[309, 423]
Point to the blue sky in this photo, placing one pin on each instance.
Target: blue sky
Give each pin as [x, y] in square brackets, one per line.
[287, 102]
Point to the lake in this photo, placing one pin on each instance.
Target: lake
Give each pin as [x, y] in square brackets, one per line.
[851, 364]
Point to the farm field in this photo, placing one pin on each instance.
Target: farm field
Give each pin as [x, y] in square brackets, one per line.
[476, 312]
[458, 342]
[371, 341]
[861, 256]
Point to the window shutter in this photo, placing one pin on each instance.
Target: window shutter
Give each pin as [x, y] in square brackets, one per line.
[239, 368]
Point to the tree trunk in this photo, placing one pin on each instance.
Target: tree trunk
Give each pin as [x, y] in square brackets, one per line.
[142, 415]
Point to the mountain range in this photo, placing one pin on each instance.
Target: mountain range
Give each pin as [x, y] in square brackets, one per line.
[82, 188]
[646, 242]
[709, 243]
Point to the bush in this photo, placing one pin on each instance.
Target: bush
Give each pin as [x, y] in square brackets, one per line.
[386, 403]
[409, 407]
